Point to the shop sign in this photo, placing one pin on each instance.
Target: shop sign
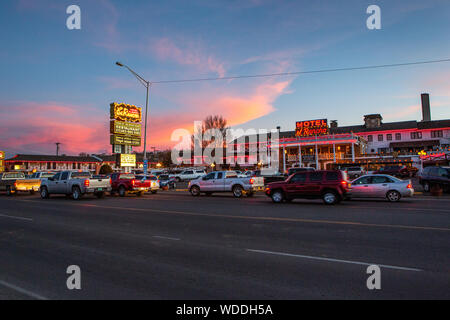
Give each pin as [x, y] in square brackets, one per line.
[125, 140]
[125, 128]
[127, 160]
[125, 112]
[311, 128]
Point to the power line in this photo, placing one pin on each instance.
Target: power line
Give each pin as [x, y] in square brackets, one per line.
[304, 72]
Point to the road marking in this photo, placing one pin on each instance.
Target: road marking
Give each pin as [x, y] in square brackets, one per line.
[334, 260]
[333, 222]
[167, 238]
[14, 217]
[23, 291]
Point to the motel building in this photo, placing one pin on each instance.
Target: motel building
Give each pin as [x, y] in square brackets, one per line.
[372, 145]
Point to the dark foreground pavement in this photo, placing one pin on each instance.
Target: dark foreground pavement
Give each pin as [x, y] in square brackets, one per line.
[173, 246]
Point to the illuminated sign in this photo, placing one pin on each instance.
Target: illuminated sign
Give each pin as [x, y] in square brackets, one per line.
[126, 140]
[126, 128]
[127, 160]
[125, 112]
[311, 128]
[2, 161]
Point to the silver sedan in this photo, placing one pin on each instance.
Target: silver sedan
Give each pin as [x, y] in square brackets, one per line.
[381, 186]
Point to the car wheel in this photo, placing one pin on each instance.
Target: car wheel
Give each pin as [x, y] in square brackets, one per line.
[330, 197]
[76, 193]
[44, 193]
[122, 191]
[178, 179]
[9, 191]
[99, 195]
[393, 196]
[277, 196]
[195, 191]
[426, 187]
[237, 191]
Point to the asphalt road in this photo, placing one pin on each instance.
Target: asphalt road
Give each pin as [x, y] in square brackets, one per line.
[174, 246]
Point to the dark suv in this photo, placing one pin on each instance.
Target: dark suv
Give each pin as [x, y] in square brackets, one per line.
[329, 185]
[431, 176]
[398, 171]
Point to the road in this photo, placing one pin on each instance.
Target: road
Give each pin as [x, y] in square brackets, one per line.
[174, 246]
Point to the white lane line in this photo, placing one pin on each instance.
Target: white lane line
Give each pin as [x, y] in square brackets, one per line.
[334, 260]
[23, 291]
[14, 217]
[167, 238]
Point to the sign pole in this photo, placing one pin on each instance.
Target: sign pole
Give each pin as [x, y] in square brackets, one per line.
[145, 131]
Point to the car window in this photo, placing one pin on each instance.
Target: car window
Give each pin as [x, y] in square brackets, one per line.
[299, 177]
[362, 180]
[57, 176]
[219, 175]
[231, 174]
[381, 179]
[188, 172]
[332, 176]
[64, 176]
[315, 176]
[442, 172]
[199, 171]
[209, 176]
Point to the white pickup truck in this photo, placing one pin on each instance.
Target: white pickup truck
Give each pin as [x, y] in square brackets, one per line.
[190, 174]
[226, 181]
[74, 183]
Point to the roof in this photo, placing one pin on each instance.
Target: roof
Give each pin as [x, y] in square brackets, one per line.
[412, 144]
[52, 158]
[401, 125]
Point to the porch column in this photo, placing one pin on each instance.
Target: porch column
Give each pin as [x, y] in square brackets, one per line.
[353, 152]
[284, 159]
[334, 151]
[299, 156]
[317, 157]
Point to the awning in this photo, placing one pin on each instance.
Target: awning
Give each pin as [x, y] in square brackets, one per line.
[414, 144]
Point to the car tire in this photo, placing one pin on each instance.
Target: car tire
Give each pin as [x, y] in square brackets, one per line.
[426, 187]
[76, 193]
[393, 196]
[237, 191]
[9, 192]
[177, 179]
[44, 193]
[99, 195]
[195, 191]
[330, 197]
[277, 196]
[122, 191]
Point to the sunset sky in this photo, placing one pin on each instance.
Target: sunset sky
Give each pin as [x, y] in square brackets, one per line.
[57, 84]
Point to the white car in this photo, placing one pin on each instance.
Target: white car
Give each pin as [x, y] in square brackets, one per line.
[190, 174]
[381, 186]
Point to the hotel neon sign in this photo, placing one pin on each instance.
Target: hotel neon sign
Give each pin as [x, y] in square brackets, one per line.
[311, 128]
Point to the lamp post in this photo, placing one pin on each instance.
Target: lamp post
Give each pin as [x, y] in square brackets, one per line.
[147, 85]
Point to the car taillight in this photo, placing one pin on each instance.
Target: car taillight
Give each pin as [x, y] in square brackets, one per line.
[133, 182]
[15, 184]
[409, 186]
[110, 181]
[86, 183]
[345, 184]
[252, 181]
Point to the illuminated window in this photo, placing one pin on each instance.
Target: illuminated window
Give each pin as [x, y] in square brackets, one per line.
[398, 136]
[380, 137]
[389, 137]
[369, 138]
[416, 135]
[436, 134]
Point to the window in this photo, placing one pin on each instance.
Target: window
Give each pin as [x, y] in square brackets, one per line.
[436, 134]
[315, 176]
[299, 177]
[416, 135]
[332, 176]
[210, 176]
[363, 180]
[54, 165]
[64, 176]
[219, 175]
[380, 137]
[381, 179]
[389, 137]
[398, 136]
[370, 138]
[57, 176]
[189, 172]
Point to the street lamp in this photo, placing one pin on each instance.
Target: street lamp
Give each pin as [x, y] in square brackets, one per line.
[147, 85]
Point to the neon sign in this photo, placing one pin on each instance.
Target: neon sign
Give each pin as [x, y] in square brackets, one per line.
[311, 128]
[125, 112]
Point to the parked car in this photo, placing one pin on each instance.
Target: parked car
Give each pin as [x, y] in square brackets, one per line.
[381, 186]
[226, 181]
[126, 183]
[75, 183]
[13, 182]
[165, 181]
[435, 176]
[354, 172]
[268, 175]
[397, 171]
[291, 171]
[152, 181]
[329, 185]
[187, 175]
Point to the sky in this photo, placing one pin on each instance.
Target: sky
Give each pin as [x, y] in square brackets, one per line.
[57, 84]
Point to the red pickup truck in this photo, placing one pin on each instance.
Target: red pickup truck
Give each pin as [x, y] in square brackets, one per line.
[125, 183]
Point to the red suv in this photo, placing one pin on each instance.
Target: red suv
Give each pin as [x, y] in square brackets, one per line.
[330, 185]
